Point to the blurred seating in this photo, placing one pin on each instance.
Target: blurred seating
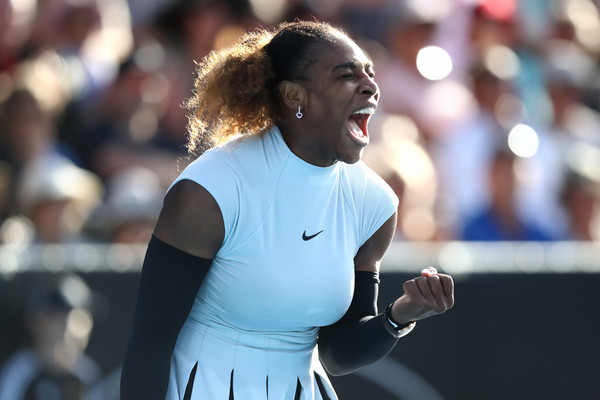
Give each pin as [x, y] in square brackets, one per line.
[101, 83]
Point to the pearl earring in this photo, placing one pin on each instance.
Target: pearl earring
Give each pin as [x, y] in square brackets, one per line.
[299, 113]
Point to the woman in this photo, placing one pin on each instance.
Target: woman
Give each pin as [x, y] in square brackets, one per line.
[270, 242]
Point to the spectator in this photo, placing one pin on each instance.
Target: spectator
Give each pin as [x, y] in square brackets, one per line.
[403, 89]
[500, 219]
[131, 208]
[86, 39]
[57, 197]
[54, 365]
[571, 124]
[27, 132]
[462, 155]
[400, 158]
[581, 200]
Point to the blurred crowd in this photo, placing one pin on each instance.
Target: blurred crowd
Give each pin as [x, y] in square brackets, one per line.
[488, 129]
[488, 126]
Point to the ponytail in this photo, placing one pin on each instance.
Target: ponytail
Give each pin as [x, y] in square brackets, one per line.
[236, 91]
[230, 95]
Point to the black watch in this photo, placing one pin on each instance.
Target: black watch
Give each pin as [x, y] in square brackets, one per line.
[395, 329]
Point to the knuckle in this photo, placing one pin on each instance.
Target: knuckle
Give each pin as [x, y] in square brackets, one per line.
[449, 281]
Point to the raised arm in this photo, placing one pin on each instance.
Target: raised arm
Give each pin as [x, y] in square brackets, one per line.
[188, 234]
[363, 335]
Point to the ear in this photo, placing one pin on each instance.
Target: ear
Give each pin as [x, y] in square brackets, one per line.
[292, 93]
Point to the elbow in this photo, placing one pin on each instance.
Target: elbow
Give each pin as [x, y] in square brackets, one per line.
[334, 364]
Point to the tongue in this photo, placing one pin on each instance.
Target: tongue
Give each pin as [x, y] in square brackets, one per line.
[354, 129]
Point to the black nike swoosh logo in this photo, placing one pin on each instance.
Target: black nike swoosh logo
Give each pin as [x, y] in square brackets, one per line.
[304, 237]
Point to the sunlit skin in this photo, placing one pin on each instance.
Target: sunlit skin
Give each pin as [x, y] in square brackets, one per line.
[334, 89]
[340, 83]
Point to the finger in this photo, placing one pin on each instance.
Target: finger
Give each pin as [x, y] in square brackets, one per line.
[412, 290]
[436, 288]
[429, 271]
[423, 285]
[448, 286]
[438, 300]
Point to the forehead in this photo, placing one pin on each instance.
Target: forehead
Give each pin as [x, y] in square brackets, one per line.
[342, 51]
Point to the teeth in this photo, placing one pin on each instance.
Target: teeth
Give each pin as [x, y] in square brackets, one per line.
[366, 110]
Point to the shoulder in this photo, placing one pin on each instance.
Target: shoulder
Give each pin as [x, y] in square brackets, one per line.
[191, 220]
[360, 171]
[224, 154]
[364, 180]
[237, 157]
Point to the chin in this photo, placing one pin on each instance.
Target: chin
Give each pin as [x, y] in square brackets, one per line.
[352, 158]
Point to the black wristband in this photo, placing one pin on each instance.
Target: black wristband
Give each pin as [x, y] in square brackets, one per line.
[394, 328]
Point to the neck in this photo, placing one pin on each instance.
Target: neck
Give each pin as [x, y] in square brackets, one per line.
[303, 146]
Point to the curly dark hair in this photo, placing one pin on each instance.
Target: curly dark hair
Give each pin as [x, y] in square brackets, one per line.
[236, 91]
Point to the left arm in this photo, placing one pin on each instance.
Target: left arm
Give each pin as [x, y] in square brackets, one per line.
[361, 336]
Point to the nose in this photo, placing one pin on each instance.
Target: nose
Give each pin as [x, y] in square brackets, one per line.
[369, 86]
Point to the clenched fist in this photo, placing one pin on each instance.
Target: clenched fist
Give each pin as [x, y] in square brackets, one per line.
[427, 295]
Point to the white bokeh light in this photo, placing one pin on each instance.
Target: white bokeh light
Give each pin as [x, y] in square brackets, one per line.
[502, 61]
[523, 140]
[434, 63]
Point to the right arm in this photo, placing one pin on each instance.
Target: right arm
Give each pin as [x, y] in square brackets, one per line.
[360, 337]
[187, 236]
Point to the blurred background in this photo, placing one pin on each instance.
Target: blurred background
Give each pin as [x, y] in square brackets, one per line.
[488, 130]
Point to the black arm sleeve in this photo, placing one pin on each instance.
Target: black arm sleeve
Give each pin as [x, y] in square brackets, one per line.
[359, 337]
[169, 282]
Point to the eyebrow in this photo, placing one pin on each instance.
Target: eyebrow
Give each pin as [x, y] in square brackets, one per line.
[352, 65]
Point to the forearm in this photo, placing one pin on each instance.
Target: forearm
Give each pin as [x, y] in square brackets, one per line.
[168, 286]
[355, 345]
[360, 337]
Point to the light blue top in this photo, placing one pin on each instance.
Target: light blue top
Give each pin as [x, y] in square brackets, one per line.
[267, 283]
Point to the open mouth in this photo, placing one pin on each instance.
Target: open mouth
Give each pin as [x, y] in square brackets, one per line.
[357, 125]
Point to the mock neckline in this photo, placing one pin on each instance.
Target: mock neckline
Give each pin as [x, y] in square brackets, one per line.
[278, 137]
